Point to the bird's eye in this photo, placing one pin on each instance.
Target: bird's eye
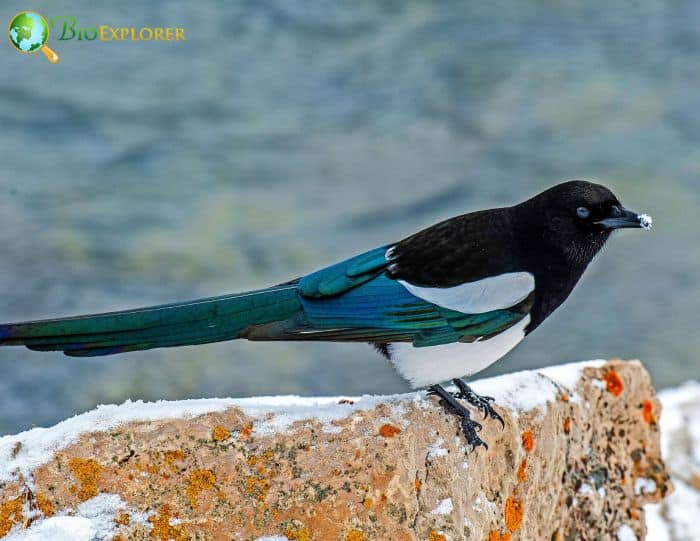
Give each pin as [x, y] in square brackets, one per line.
[583, 212]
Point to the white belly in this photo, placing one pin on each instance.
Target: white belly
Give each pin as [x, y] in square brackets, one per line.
[429, 365]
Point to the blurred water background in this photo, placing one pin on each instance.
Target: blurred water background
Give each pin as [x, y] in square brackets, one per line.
[282, 136]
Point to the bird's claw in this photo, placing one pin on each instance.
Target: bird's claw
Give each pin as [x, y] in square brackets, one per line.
[469, 426]
[482, 403]
[470, 429]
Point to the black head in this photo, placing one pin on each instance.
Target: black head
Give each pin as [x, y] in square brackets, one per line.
[576, 218]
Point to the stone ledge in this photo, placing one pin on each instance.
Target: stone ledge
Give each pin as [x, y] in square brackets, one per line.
[578, 458]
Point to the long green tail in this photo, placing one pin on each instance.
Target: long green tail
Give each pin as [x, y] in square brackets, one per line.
[196, 322]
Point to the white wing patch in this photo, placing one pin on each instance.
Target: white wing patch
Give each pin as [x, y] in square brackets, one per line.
[492, 293]
[429, 365]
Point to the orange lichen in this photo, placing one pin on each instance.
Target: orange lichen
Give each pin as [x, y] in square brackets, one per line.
[355, 535]
[87, 471]
[263, 468]
[389, 431]
[418, 484]
[122, 519]
[200, 480]
[613, 383]
[528, 440]
[246, 431]
[567, 425]
[522, 474]
[220, 433]
[170, 457]
[436, 536]
[10, 514]
[45, 505]
[257, 487]
[368, 503]
[648, 412]
[513, 513]
[297, 533]
[162, 529]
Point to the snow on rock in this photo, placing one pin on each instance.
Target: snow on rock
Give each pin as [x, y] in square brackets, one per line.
[22, 453]
[437, 449]
[625, 533]
[676, 518]
[93, 519]
[644, 486]
[28, 450]
[371, 467]
[445, 507]
[63, 528]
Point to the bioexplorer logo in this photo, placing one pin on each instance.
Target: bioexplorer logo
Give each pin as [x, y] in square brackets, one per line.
[29, 32]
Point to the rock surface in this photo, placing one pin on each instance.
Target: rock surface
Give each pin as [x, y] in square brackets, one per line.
[578, 459]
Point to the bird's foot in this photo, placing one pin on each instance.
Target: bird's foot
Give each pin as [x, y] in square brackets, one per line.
[482, 403]
[469, 426]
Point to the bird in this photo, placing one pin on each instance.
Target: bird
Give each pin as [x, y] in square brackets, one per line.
[441, 304]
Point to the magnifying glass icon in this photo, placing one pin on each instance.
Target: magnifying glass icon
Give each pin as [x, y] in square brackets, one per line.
[29, 32]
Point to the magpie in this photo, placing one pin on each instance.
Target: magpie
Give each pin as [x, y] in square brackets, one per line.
[441, 304]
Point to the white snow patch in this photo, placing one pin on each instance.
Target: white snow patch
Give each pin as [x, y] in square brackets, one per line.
[645, 221]
[644, 486]
[60, 528]
[398, 409]
[676, 516]
[625, 533]
[525, 391]
[585, 488]
[332, 429]
[437, 449]
[482, 505]
[444, 507]
[657, 529]
[568, 375]
[93, 520]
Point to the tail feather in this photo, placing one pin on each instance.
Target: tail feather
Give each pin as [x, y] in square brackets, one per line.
[195, 322]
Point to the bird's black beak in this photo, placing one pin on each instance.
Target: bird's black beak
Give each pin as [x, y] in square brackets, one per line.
[621, 217]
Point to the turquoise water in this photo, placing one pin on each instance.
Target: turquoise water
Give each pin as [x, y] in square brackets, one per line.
[283, 136]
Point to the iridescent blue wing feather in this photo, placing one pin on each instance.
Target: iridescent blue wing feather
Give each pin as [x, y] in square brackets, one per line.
[354, 300]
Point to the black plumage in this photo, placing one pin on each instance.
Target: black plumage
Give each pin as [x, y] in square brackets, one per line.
[543, 235]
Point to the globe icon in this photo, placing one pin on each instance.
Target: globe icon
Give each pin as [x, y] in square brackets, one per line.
[29, 32]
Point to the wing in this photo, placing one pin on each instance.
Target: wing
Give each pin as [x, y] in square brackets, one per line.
[359, 300]
[467, 248]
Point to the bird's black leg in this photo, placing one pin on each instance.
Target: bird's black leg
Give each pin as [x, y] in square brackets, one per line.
[483, 403]
[469, 426]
